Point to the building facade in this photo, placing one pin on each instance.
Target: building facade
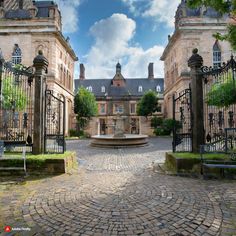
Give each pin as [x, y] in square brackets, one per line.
[119, 97]
[28, 26]
[194, 28]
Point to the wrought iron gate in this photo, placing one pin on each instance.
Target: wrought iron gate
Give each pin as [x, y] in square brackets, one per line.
[219, 92]
[16, 103]
[54, 123]
[182, 132]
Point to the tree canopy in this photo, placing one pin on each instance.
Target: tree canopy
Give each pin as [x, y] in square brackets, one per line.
[223, 7]
[85, 106]
[148, 104]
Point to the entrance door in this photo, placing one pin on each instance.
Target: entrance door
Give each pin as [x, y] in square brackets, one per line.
[102, 126]
[134, 126]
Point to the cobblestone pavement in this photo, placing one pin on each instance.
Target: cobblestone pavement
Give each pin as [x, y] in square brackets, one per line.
[130, 200]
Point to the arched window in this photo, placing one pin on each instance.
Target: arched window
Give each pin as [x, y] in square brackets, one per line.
[103, 89]
[140, 89]
[16, 55]
[216, 55]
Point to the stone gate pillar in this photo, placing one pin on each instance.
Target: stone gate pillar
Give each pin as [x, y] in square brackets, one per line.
[40, 64]
[195, 62]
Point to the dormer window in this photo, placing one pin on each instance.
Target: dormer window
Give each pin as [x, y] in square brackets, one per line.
[158, 88]
[16, 55]
[103, 89]
[89, 88]
[140, 89]
[21, 3]
[1, 3]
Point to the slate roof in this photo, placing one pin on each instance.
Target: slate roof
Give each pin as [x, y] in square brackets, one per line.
[17, 14]
[131, 88]
[196, 12]
[42, 6]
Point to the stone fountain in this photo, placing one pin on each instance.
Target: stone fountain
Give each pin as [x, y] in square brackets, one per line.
[119, 138]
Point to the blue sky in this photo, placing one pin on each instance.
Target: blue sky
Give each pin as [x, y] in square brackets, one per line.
[103, 32]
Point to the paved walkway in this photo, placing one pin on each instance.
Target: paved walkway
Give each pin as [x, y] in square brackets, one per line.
[115, 193]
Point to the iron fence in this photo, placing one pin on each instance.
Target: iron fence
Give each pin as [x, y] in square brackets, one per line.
[219, 94]
[16, 103]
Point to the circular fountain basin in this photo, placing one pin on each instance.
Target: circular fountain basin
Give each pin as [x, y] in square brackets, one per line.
[129, 140]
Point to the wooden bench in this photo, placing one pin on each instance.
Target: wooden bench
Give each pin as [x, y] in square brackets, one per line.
[219, 164]
[20, 145]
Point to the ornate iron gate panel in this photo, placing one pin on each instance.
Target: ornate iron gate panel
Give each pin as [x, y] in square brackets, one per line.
[182, 132]
[219, 93]
[16, 103]
[54, 123]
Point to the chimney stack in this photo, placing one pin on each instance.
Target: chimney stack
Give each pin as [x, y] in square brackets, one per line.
[150, 71]
[82, 72]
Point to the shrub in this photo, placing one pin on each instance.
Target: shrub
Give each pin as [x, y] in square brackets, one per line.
[156, 121]
[76, 133]
[166, 127]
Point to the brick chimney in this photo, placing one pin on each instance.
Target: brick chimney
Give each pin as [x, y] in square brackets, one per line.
[82, 72]
[150, 71]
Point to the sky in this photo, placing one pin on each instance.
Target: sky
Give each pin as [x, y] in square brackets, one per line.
[104, 32]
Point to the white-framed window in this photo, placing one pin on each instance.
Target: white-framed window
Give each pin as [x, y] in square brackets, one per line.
[158, 88]
[102, 108]
[16, 55]
[103, 89]
[118, 108]
[140, 89]
[89, 88]
[132, 108]
[216, 55]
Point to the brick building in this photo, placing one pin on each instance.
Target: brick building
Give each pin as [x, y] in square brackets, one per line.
[28, 26]
[119, 96]
[193, 29]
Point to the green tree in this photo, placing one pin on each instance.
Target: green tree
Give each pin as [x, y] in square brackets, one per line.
[148, 104]
[221, 6]
[13, 95]
[85, 106]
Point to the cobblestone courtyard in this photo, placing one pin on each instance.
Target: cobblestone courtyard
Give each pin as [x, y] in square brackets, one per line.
[117, 193]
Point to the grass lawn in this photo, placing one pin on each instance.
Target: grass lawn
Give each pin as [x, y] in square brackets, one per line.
[42, 157]
[190, 155]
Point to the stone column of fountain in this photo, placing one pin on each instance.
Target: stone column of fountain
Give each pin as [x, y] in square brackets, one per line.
[119, 128]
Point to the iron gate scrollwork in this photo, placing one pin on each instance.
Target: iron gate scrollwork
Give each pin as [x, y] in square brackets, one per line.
[16, 103]
[54, 123]
[219, 92]
[182, 131]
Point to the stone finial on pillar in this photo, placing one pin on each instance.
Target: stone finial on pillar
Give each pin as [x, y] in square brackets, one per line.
[195, 63]
[41, 65]
[40, 62]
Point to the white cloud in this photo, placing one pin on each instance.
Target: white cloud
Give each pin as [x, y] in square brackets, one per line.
[69, 14]
[112, 44]
[160, 10]
[139, 60]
